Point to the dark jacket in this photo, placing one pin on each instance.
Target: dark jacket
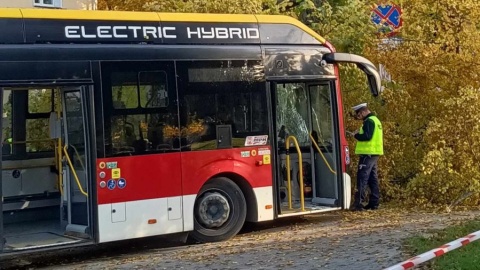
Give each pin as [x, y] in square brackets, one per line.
[368, 128]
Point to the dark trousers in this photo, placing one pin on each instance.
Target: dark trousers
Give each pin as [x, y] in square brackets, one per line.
[367, 176]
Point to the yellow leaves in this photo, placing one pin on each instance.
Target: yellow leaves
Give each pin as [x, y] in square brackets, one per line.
[449, 167]
[435, 105]
[196, 127]
[194, 6]
[131, 5]
[201, 6]
[171, 131]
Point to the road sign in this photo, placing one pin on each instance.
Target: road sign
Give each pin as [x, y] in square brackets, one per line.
[388, 17]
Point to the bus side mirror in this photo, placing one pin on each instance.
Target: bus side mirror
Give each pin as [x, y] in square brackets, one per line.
[373, 76]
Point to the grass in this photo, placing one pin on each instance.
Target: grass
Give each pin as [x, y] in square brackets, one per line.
[464, 258]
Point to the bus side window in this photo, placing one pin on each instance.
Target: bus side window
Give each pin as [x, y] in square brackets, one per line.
[33, 107]
[143, 119]
[41, 103]
[219, 93]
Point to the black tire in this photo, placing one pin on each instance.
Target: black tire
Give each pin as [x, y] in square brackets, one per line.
[229, 193]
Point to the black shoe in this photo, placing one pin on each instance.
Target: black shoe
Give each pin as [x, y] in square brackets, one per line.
[370, 207]
[357, 209]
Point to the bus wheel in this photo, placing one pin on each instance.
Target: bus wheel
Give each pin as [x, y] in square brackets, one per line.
[220, 211]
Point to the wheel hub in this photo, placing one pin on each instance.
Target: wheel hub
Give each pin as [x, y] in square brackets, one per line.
[213, 210]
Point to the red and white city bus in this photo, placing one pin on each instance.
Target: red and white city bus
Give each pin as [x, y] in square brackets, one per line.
[121, 125]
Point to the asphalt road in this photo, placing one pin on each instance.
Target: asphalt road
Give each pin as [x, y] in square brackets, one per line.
[342, 240]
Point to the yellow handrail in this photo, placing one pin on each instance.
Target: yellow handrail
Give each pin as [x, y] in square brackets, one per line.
[300, 164]
[73, 171]
[324, 159]
[58, 163]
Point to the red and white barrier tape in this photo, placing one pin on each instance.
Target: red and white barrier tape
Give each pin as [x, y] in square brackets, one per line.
[436, 252]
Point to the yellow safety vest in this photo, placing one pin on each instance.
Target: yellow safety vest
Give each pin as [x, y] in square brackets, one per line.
[375, 145]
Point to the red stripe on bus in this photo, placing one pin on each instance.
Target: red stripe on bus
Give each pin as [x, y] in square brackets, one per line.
[176, 174]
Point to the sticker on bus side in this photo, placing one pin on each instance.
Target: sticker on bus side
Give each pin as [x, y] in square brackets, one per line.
[112, 165]
[266, 159]
[116, 173]
[121, 183]
[256, 140]
[263, 151]
[111, 184]
[245, 154]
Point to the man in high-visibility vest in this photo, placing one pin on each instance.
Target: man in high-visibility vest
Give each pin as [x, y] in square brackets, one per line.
[369, 147]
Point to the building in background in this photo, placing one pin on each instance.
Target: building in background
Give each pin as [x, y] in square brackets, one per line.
[60, 4]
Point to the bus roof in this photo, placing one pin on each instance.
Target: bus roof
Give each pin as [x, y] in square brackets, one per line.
[19, 26]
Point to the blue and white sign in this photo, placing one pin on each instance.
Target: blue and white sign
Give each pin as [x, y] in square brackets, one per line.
[122, 183]
[111, 184]
[388, 17]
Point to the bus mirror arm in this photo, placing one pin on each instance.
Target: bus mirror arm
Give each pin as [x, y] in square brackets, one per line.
[364, 64]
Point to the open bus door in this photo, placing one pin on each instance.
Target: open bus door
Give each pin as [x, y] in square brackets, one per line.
[76, 170]
[45, 200]
[307, 152]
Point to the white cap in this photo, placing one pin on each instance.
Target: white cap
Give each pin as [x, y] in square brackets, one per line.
[359, 106]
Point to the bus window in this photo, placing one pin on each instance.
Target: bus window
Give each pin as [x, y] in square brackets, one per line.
[322, 113]
[143, 119]
[40, 104]
[140, 134]
[31, 131]
[124, 90]
[292, 112]
[214, 93]
[153, 90]
[40, 100]
[38, 136]
[151, 87]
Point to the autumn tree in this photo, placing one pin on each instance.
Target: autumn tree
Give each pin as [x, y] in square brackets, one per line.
[128, 5]
[197, 6]
[450, 174]
[435, 69]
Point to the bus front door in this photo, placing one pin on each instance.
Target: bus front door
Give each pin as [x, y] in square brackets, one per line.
[76, 184]
[307, 147]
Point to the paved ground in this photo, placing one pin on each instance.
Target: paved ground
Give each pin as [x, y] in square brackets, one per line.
[344, 240]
